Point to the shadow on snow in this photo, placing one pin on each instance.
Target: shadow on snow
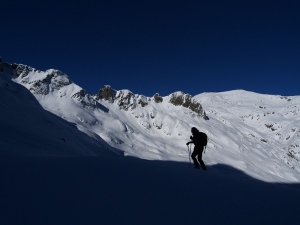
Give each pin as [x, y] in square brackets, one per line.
[127, 190]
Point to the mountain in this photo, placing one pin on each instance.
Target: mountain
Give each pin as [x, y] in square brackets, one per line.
[29, 130]
[58, 166]
[255, 133]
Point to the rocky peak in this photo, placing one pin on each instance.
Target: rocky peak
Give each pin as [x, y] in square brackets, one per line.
[85, 99]
[186, 100]
[125, 99]
[106, 93]
[21, 70]
[43, 82]
[157, 98]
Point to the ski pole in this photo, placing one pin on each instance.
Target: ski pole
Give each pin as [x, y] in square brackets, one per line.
[189, 150]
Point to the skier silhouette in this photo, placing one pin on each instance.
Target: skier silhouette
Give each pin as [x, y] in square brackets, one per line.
[198, 149]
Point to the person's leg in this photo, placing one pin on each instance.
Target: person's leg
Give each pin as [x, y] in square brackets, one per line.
[200, 160]
[194, 154]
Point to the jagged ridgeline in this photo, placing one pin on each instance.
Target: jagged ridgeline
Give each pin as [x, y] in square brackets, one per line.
[127, 100]
[51, 80]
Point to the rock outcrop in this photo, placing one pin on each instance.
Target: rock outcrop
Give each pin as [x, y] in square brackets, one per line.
[186, 100]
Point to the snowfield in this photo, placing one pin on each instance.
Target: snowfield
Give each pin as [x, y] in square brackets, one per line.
[68, 157]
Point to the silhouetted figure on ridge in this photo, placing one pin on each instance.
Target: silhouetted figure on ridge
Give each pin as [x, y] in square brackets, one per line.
[198, 139]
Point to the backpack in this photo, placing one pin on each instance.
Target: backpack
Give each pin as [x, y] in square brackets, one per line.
[203, 139]
[200, 139]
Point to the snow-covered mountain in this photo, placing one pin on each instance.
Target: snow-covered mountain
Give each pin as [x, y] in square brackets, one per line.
[255, 133]
[39, 186]
[29, 130]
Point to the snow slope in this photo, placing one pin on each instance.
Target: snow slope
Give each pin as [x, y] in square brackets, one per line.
[255, 133]
[54, 173]
[28, 129]
[125, 190]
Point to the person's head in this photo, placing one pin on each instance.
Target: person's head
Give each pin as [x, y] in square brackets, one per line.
[194, 130]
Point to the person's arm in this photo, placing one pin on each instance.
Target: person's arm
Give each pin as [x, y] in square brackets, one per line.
[192, 138]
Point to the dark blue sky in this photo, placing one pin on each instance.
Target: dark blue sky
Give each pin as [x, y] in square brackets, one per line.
[161, 46]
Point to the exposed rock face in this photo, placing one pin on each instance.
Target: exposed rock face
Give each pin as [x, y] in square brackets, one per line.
[157, 98]
[22, 70]
[106, 93]
[45, 82]
[85, 99]
[186, 100]
[142, 100]
[52, 79]
[125, 99]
